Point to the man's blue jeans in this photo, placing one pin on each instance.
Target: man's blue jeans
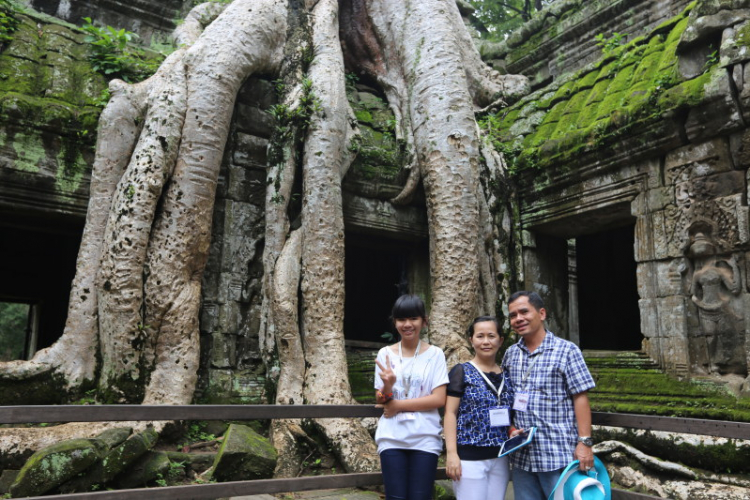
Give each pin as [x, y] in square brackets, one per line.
[408, 474]
[534, 485]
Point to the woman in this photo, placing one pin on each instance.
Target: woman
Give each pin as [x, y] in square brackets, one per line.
[477, 418]
[410, 381]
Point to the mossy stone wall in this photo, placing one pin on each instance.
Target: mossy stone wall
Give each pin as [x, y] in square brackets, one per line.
[50, 100]
[651, 134]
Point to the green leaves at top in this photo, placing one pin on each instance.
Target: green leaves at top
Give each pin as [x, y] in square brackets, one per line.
[114, 56]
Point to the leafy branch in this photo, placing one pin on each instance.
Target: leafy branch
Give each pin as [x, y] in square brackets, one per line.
[113, 56]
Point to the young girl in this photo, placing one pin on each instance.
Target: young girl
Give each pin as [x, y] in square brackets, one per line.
[477, 418]
[410, 382]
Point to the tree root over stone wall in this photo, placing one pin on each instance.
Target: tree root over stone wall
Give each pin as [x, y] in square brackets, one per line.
[632, 469]
[132, 327]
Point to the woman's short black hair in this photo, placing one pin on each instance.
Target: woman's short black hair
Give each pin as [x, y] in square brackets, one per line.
[482, 319]
[408, 306]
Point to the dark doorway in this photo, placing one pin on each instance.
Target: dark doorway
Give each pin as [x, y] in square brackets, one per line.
[608, 314]
[37, 266]
[376, 275]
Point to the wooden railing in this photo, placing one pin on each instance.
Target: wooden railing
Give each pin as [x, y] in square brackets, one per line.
[112, 413]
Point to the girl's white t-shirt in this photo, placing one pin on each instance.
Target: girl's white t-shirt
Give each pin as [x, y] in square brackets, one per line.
[418, 430]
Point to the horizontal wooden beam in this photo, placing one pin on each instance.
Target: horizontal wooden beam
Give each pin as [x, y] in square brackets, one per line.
[720, 428]
[261, 486]
[114, 413]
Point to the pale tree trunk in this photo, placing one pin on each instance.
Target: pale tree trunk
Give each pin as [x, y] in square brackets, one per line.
[422, 52]
[325, 162]
[136, 297]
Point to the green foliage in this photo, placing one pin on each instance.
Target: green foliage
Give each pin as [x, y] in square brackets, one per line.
[196, 433]
[495, 19]
[711, 60]
[291, 123]
[13, 320]
[89, 398]
[113, 55]
[8, 22]
[351, 79]
[609, 44]
[175, 471]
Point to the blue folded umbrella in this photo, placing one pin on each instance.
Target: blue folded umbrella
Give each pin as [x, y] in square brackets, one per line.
[575, 484]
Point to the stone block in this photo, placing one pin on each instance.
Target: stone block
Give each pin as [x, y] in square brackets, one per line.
[116, 461]
[645, 280]
[257, 92]
[528, 239]
[250, 150]
[115, 437]
[246, 185]
[209, 317]
[247, 388]
[696, 160]
[643, 247]
[743, 224]
[230, 288]
[670, 277]
[251, 322]
[254, 121]
[672, 312]
[243, 228]
[745, 93]
[649, 318]
[6, 479]
[223, 350]
[219, 381]
[148, 468]
[675, 354]
[652, 348]
[229, 317]
[244, 455]
[50, 467]
[746, 310]
[659, 198]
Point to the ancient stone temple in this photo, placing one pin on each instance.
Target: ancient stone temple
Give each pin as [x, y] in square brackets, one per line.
[637, 162]
[629, 174]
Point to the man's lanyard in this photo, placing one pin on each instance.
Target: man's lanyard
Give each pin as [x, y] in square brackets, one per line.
[524, 379]
[486, 379]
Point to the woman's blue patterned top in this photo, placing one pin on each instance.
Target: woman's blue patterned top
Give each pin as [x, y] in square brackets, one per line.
[473, 425]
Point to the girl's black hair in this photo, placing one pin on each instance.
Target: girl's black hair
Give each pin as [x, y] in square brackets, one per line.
[482, 319]
[408, 306]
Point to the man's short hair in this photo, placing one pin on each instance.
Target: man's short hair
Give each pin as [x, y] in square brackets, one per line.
[534, 298]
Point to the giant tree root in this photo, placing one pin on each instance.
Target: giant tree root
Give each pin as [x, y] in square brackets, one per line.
[134, 305]
[667, 479]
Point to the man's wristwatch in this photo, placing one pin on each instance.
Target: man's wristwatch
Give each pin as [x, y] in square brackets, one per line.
[587, 440]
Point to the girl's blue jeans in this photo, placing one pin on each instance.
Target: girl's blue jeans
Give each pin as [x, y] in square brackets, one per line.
[408, 474]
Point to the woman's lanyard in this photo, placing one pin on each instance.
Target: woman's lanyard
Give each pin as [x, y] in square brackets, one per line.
[486, 379]
[407, 378]
[499, 416]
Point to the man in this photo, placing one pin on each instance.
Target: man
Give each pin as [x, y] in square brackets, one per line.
[552, 384]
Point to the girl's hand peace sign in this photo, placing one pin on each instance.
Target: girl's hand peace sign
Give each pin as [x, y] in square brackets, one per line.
[386, 374]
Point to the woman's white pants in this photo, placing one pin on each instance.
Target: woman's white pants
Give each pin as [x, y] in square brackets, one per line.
[483, 479]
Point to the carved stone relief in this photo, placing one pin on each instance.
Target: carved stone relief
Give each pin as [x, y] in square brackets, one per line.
[715, 285]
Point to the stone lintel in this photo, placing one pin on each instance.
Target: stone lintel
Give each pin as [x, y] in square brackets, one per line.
[381, 217]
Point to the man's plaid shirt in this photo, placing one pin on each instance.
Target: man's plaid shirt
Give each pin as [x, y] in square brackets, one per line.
[551, 375]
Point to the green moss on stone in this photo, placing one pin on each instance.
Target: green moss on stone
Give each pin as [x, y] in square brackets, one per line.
[634, 84]
[363, 116]
[54, 465]
[244, 454]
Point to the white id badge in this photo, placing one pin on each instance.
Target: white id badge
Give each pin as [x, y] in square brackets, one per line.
[499, 417]
[521, 403]
[405, 415]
